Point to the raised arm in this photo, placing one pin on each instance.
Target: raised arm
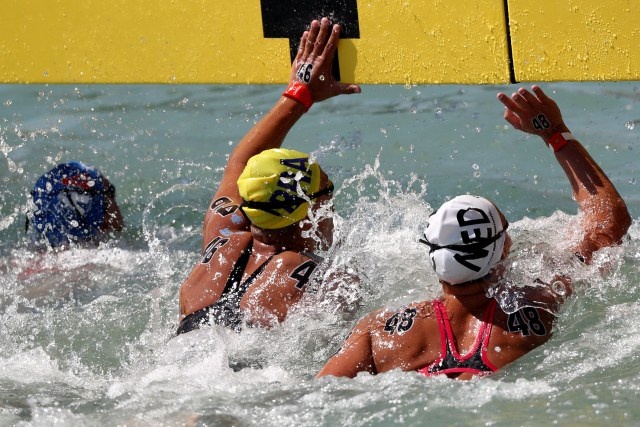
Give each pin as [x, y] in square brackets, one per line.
[310, 81]
[605, 215]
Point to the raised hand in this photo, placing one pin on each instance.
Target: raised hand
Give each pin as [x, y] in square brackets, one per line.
[313, 63]
[533, 113]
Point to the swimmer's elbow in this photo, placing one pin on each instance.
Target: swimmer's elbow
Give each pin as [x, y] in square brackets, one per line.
[611, 231]
[624, 218]
[605, 230]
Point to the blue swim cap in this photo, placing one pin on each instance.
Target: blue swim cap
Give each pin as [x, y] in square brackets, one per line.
[70, 204]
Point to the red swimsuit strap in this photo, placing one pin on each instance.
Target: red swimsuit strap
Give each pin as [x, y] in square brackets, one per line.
[447, 347]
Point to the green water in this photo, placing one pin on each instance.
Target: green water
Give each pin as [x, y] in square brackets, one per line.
[87, 340]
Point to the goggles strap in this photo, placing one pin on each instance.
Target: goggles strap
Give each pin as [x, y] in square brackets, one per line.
[469, 249]
[270, 207]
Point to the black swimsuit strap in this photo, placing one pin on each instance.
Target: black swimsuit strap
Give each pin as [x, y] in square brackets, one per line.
[226, 310]
[234, 290]
[242, 289]
[231, 288]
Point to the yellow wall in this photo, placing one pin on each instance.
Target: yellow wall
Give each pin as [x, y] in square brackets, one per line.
[575, 40]
[401, 41]
[429, 41]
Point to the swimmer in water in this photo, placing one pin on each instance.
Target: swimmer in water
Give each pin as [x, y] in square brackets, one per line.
[264, 223]
[73, 205]
[465, 333]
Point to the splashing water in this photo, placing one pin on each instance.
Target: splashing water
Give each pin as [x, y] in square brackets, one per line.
[87, 336]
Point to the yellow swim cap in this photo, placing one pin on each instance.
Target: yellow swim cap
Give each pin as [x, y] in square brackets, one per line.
[275, 185]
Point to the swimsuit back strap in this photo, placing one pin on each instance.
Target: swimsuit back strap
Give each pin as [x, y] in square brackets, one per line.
[441, 316]
[226, 310]
[232, 286]
[244, 286]
[450, 361]
[487, 326]
[487, 321]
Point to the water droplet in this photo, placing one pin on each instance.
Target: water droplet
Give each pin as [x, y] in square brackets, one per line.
[475, 166]
[12, 165]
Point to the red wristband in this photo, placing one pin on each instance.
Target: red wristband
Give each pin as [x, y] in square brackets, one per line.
[299, 92]
[559, 140]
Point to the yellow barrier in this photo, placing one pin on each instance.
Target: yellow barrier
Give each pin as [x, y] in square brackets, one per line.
[575, 40]
[250, 41]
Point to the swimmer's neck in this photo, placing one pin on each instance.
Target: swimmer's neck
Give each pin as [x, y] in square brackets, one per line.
[473, 296]
[284, 239]
[478, 287]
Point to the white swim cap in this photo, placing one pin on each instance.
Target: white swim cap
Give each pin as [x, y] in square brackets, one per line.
[465, 238]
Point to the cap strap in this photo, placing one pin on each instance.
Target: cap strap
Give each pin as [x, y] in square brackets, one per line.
[470, 248]
[293, 202]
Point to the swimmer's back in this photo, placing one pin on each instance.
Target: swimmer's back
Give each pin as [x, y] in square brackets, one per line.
[280, 283]
[409, 338]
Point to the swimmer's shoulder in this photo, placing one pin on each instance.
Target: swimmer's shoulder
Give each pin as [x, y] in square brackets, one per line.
[384, 318]
[292, 259]
[223, 213]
